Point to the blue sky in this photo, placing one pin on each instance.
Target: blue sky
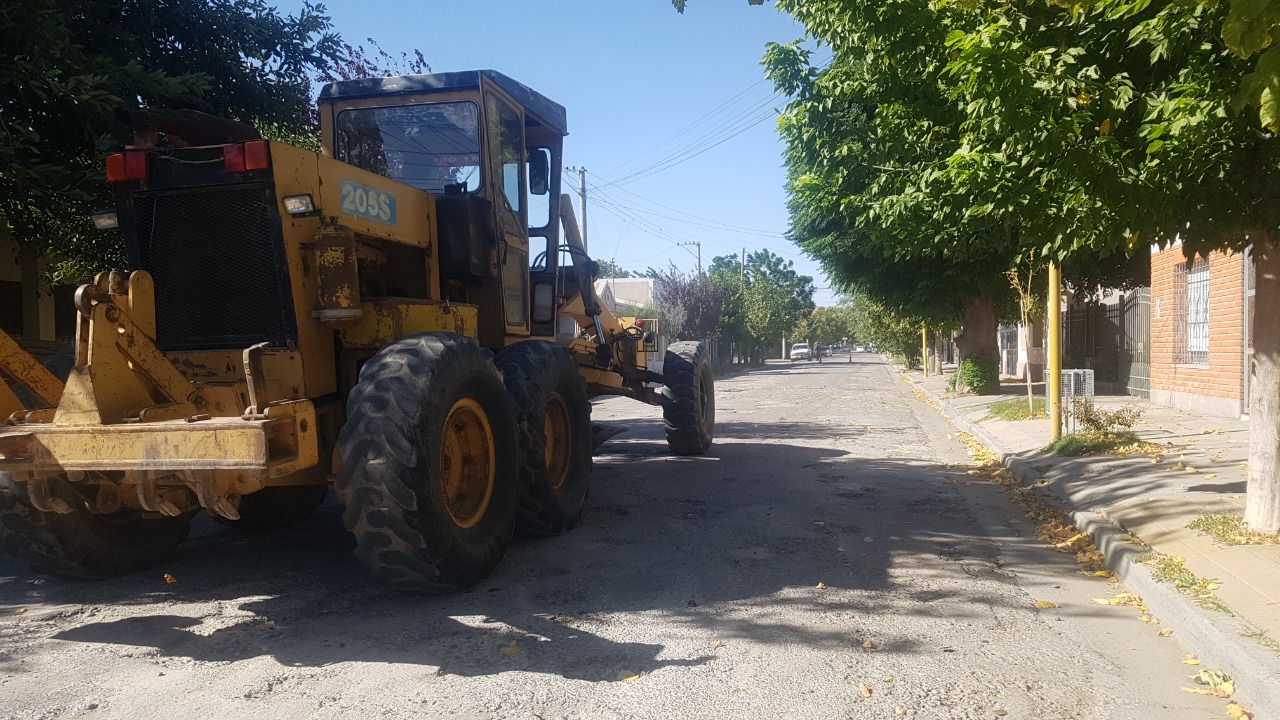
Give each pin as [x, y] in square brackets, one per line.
[669, 113]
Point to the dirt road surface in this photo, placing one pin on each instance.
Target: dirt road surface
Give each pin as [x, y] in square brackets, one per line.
[828, 559]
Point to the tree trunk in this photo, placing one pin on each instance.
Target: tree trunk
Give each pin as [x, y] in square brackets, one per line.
[980, 328]
[1025, 302]
[1262, 499]
[935, 363]
[978, 339]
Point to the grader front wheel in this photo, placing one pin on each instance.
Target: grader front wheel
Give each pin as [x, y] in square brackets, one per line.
[689, 415]
[430, 483]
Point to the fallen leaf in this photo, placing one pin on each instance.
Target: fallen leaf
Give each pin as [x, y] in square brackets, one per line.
[1190, 659]
[1219, 683]
[868, 645]
[1237, 712]
[717, 646]
[868, 539]
[1166, 632]
[628, 675]
[169, 579]
[1046, 605]
[822, 586]
[1210, 476]
[1105, 601]
[511, 650]
[889, 679]
[866, 691]
[899, 711]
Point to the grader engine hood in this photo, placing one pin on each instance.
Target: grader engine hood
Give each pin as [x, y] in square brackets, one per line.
[205, 223]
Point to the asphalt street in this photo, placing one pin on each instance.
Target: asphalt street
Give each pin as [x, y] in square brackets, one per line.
[829, 558]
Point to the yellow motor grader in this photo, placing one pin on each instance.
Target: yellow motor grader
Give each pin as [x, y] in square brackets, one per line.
[399, 314]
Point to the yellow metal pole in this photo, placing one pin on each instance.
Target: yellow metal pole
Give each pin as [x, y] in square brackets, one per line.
[924, 349]
[1055, 351]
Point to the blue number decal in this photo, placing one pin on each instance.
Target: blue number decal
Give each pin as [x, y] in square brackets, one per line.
[367, 202]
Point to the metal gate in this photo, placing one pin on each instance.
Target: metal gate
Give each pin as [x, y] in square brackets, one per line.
[1135, 353]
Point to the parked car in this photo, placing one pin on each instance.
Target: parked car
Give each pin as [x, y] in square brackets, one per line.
[823, 351]
[800, 351]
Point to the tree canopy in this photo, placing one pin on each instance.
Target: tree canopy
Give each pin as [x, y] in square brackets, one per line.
[72, 63]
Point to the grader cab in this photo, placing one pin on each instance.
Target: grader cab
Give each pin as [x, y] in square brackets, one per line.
[408, 315]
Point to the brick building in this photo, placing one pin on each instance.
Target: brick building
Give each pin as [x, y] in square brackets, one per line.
[1201, 313]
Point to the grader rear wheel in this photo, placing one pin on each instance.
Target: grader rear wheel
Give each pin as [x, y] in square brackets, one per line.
[554, 422]
[80, 544]
[689, 415]
[430, 484]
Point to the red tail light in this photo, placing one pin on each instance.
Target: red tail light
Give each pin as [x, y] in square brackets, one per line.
[243, 157]
[126, 166]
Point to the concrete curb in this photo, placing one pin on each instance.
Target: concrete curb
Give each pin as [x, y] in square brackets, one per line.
[1220, 640]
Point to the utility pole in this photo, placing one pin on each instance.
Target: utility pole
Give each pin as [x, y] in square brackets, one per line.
[1055, 352]
[699, 255]
[924, 349]
[582, 201]
[742, 270]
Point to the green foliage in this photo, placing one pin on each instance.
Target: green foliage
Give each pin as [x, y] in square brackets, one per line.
[1096, 420]
[1018, 409]
[1078, 444]
[979, 375]
[827, 326]
[610, 269]
[70, 64]
[889, 330]
[764, 299]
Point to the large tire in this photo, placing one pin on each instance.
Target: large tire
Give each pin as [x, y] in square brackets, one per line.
[689, 415]
[272, 508]
[553, 419]
[430, 477]
[81, 544]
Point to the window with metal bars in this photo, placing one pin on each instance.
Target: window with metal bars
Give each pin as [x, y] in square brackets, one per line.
[1191, 289]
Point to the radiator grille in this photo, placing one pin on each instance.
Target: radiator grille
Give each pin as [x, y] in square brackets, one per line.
[217, 259]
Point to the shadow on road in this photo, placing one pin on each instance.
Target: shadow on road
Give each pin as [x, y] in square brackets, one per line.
[722, 547]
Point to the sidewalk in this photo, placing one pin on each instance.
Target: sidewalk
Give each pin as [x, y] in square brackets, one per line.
[1202, 472]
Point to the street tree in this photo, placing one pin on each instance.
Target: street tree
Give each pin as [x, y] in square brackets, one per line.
[1086, 132]
[73, 63]
[610, 269]
[689, 304]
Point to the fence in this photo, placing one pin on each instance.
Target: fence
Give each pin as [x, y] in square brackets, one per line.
[1113, 339]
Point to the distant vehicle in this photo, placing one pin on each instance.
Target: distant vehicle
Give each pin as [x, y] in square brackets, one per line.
[823, 351]
[861, 348]
[800, 351]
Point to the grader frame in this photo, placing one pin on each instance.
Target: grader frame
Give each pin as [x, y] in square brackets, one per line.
[258, 350]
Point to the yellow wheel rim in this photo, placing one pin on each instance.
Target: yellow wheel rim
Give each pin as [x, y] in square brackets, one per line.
[467, 463]
[558, 440]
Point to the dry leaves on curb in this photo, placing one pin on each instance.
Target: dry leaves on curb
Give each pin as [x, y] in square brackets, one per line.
[1237, 712]
[1046, 605]
[1212, 682]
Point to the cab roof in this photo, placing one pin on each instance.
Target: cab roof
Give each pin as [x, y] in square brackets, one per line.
[538, 107]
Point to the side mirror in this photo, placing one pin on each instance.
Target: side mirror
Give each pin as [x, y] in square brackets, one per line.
[539, 171]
